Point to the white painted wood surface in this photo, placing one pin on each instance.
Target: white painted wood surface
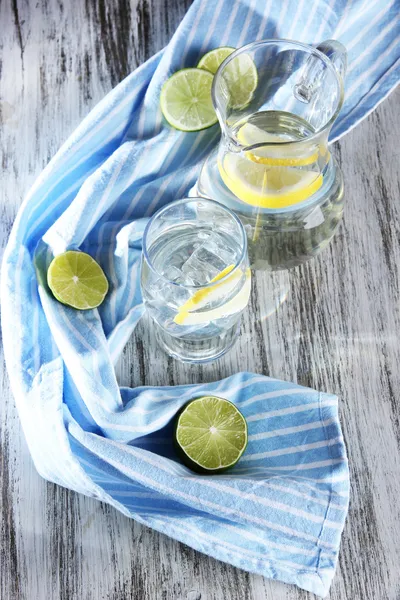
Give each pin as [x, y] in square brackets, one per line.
[338, 330]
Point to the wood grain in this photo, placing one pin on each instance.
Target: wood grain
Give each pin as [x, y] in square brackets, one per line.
[337, 330]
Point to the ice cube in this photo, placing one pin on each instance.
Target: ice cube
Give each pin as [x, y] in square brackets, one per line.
[223, 252]
[175, 295]
[172, 273]
[208, 260]
[197, 269]
[186, 280]
[163, 293]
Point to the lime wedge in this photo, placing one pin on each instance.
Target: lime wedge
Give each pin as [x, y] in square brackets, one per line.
[268, 187]
[191, 313]
[210, 434]
[186, 100]
[77, 280]
[276, 154]
[241, 79]
[212, 60]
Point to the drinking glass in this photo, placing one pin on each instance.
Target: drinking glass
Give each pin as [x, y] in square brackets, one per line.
[195, 278]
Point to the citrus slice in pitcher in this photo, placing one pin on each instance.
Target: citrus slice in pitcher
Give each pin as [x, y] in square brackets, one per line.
[267, 187]
[277, 153]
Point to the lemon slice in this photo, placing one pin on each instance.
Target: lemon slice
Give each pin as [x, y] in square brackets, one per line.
[268, 187]
[188, 313]
[280, 155]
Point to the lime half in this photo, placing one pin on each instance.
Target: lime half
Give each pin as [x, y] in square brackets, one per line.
[212, 60]
[77, 280]
[186, 100]
[210, 434]
[241, 79]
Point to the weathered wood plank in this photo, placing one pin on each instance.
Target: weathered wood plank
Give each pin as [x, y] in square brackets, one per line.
[337, 330]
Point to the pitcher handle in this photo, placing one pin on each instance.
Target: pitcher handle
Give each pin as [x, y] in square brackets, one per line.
[313, 71]
[336, 53]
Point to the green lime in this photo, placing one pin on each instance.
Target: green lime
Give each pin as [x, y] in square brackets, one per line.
[186, 100]
[212, 60]
[211, 434]
[241, 78]
[77, 280]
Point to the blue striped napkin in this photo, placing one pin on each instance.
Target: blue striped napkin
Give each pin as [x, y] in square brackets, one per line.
[281, 510]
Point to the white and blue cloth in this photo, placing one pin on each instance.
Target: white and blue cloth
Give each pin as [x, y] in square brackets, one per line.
[280, 512]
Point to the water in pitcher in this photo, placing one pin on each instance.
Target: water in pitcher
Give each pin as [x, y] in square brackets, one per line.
[289, 196]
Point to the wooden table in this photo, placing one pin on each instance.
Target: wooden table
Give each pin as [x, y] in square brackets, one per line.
[338, 330]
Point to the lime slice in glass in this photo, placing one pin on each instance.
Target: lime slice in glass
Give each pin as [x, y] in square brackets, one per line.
[241, 79]
[186, 100]
[212, 60]
[77, 280]
[210, 434]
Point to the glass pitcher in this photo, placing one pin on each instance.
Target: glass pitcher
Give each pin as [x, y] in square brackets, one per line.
[276, 101]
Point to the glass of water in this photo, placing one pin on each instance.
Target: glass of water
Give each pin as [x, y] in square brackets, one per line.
[195, 278]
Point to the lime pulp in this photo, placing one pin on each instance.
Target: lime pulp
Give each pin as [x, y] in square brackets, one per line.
[241, 80]
[186, 100]
[77, 280]
[213, 59]
[210, 434]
